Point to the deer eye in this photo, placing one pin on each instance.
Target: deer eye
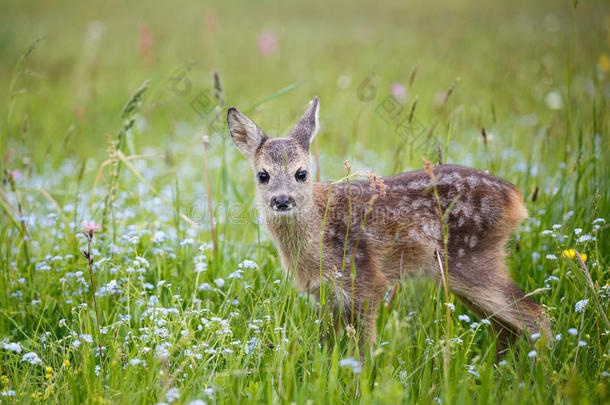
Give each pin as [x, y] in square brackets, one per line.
[263, 177]
[301, 175]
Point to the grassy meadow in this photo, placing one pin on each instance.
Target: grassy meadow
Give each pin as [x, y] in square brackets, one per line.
[102, 113]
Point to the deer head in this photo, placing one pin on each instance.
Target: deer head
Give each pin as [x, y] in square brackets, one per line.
[282, 166]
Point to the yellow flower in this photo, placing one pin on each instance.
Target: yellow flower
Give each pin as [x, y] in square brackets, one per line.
[604, 62]
[48, 369]
[587, 335]
[67, 363]
[48, 376]
[571, 253]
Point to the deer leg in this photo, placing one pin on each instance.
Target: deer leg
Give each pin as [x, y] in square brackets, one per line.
[492, 291]
[505, 334]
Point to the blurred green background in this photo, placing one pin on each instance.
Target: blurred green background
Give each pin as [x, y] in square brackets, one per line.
[519, 88]
[508, 57]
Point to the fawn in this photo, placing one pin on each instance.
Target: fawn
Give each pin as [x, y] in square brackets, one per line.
[387, 230]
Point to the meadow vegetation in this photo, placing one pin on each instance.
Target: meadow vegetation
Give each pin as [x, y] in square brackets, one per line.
[113, 287]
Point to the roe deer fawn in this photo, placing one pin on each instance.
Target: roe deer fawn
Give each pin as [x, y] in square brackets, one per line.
[389, 236]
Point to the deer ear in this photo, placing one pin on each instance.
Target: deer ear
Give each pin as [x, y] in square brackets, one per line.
[246, 135]
[307, 127]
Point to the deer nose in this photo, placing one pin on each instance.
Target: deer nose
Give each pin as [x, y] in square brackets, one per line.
[282, 203]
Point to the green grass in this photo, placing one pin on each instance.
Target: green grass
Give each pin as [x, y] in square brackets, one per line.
[534, 75]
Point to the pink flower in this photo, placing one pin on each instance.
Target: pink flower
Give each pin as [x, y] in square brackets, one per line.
[399, 92]
[90, 226]
[267, 43]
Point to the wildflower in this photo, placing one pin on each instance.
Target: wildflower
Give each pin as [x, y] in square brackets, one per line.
[247, 264]
[535, 257]
[267, 43]
[582, 343]
[464, 318]
[90, 226]
[350, 330]
[573, 331]
[12, 347]
[31, 358]
[86, 338]
[551, 257]
[219, 282]
[535, 336]
[580, 305]
[472, 370]
[399, 92]
[558, 337]
[532, 354]
[204, 287]
[350, 362]
[450, 305]
[585, 238]
[197, 402]
[67, 363]
[571, 253]
[9, 393]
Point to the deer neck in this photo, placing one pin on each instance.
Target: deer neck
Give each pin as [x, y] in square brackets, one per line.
[297, 237]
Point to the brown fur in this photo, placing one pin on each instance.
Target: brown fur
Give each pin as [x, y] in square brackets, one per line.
[389, 237]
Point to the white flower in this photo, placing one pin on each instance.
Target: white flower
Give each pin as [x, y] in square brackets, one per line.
[585, 238]
[580, 305]
[197, 402]
[350, 362]
[135, 362]
[532, 354]
[582, 343]
[9, 393]
[551, 257]
[172, 394]
[219, 282]
[535, 336]
[86, 338]
[158, 237]
[204, 287]
[31, 358]
[200, 267]
[558, 337]
[450, 305]
[573, 331]
[577, 231]
[13, 347]
[247, 264]
[464, 318]
[76, 343]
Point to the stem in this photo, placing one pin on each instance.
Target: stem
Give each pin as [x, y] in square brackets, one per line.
[206, 144]
[97, 315]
